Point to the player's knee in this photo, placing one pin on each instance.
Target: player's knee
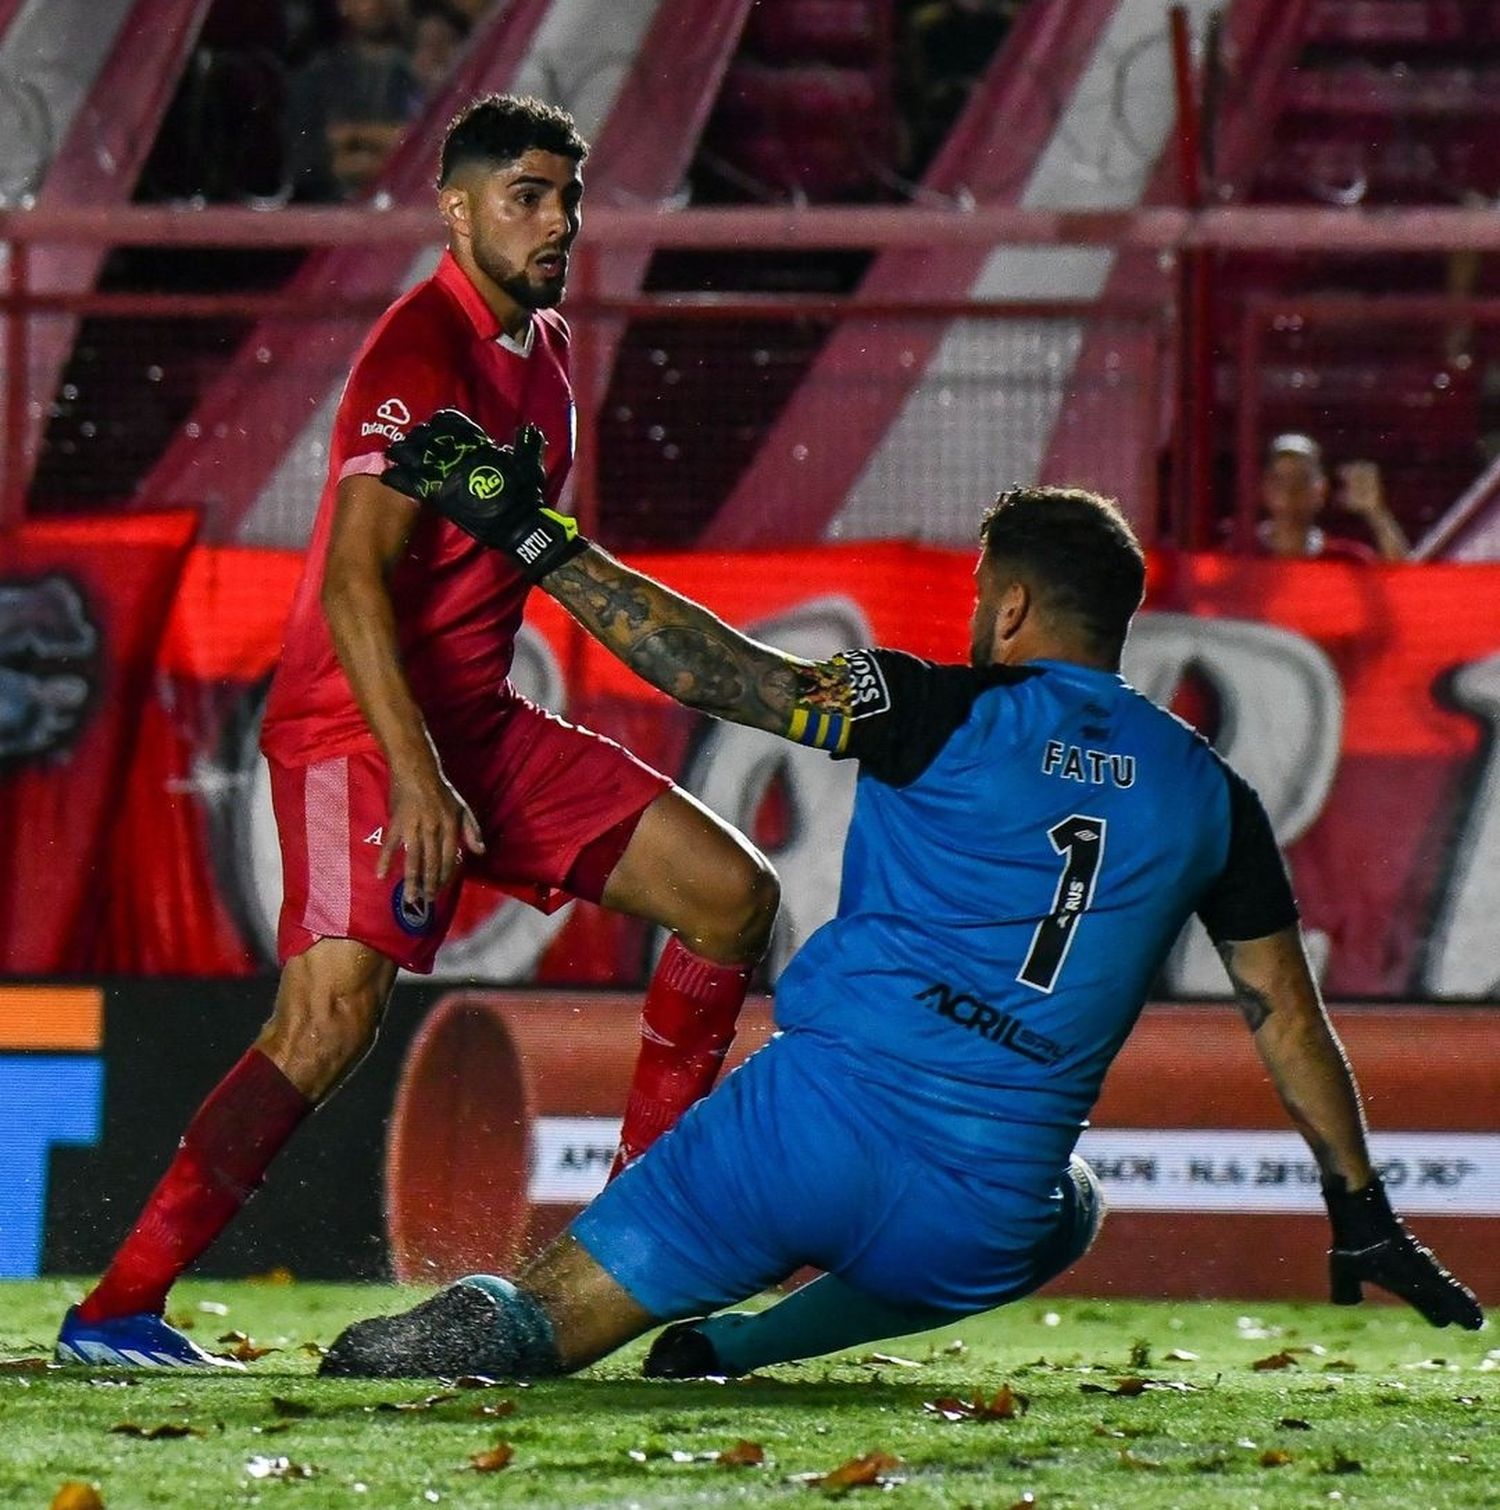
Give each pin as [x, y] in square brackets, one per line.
[743, 922]
[317, 1036]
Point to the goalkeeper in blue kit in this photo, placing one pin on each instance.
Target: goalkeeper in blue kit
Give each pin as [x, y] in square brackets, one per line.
[1029, 836]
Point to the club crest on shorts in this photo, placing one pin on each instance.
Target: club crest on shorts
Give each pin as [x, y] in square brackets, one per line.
[486, 483]
[413, 915]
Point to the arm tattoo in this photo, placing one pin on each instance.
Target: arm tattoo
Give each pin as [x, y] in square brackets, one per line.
[680, 647]
[1254, 1004]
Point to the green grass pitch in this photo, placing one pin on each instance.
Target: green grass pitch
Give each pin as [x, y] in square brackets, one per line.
[1126, 1404]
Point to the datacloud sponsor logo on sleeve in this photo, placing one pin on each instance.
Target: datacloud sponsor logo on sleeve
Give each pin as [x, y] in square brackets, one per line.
[392, 420]
[1191, 1169]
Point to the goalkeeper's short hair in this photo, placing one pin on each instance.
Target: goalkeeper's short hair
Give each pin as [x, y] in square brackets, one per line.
[1076, 551]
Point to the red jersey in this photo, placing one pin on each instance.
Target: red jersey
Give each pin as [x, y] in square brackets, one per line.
[458, 604]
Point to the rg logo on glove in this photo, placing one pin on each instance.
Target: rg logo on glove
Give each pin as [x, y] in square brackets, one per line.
[486, 483]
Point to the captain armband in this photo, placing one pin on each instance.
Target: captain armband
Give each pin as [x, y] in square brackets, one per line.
[832, 694]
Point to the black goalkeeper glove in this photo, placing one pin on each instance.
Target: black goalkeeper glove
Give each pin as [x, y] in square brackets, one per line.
[1372, 1246]
[495, 493]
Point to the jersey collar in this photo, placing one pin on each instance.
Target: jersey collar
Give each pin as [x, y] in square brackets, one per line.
[486, 324]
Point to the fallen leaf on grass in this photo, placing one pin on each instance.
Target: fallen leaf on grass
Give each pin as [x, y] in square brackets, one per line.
[743, 1454]
[475, 1381]
[1294, 1423]
[1275, 1457]
[279, 1468]
[166, 1432]
[292, 1410]
[243, 1347]
[1134, 1385]
[24, 1365]
[1128, 1459]
[74, 1495]
[213, 1307]
[1340, 1463]
[496, 1408]
[875, 1470]
[1283, 1359]
[1181, 1355]
[496, 1458]
[889, 1360]
[408, 1405]
[1005, 1406]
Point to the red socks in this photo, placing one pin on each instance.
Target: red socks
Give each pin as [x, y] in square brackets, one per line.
[688, 1023]
[219, 1164]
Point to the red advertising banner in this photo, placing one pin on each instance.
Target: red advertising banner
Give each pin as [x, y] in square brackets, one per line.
[82, 606]
[1359, 700]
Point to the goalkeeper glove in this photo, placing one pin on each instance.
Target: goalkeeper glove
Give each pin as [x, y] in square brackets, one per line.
[495, 493]
[1372, 1246]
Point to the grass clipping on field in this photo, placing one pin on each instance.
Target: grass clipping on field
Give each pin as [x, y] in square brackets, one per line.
[1056, 1405]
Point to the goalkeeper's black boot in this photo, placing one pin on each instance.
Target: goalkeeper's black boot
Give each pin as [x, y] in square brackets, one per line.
[481, 1325]
[683, 1352]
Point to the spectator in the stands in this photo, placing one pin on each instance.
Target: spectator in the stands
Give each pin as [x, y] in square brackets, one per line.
[352, 102]
[1294, 491]
[947, 46]
[439, 33]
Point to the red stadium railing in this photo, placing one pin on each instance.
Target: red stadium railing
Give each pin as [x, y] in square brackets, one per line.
[1148, 334]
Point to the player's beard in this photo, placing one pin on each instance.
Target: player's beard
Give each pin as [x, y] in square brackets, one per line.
[982, 638]
[529, 295]
[516, 283]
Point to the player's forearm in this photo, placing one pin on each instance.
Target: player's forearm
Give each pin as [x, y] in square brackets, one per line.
[675, 644]
[362, 624]
[1312, 1077]
[1280, 1002]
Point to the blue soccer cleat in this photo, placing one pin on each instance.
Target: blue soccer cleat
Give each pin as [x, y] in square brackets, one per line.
[138, 1341]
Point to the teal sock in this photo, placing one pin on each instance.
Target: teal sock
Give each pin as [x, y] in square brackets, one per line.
[523, 1330]
[822, 1317]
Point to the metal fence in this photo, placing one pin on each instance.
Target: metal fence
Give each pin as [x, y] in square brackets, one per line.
[731, 418]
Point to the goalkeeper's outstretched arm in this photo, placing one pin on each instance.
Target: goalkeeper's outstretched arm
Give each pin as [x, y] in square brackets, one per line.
[1297, 1044]
[687, 652]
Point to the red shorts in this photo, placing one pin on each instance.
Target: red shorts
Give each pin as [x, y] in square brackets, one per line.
[542, 789]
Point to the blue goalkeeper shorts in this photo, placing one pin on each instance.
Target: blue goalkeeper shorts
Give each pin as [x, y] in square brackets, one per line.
[789, 1163]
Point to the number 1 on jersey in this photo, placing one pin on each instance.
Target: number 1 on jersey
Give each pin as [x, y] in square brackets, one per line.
[1081, 839]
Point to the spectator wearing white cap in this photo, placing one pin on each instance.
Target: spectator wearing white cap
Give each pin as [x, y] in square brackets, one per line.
[1294, 491]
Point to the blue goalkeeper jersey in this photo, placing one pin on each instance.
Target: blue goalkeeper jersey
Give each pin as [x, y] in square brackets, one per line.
[1025, 846]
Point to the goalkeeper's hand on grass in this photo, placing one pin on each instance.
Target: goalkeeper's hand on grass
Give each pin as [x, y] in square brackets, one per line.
[1372, 1246]
[495, 493]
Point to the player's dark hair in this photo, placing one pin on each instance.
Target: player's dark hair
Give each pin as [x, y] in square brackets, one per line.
[1076, 551]
[499, 128]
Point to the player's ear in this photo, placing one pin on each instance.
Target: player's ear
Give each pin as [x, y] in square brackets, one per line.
[1014, 609]
[455, 207]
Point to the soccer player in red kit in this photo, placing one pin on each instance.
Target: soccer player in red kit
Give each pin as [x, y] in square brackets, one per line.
[401, 757]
